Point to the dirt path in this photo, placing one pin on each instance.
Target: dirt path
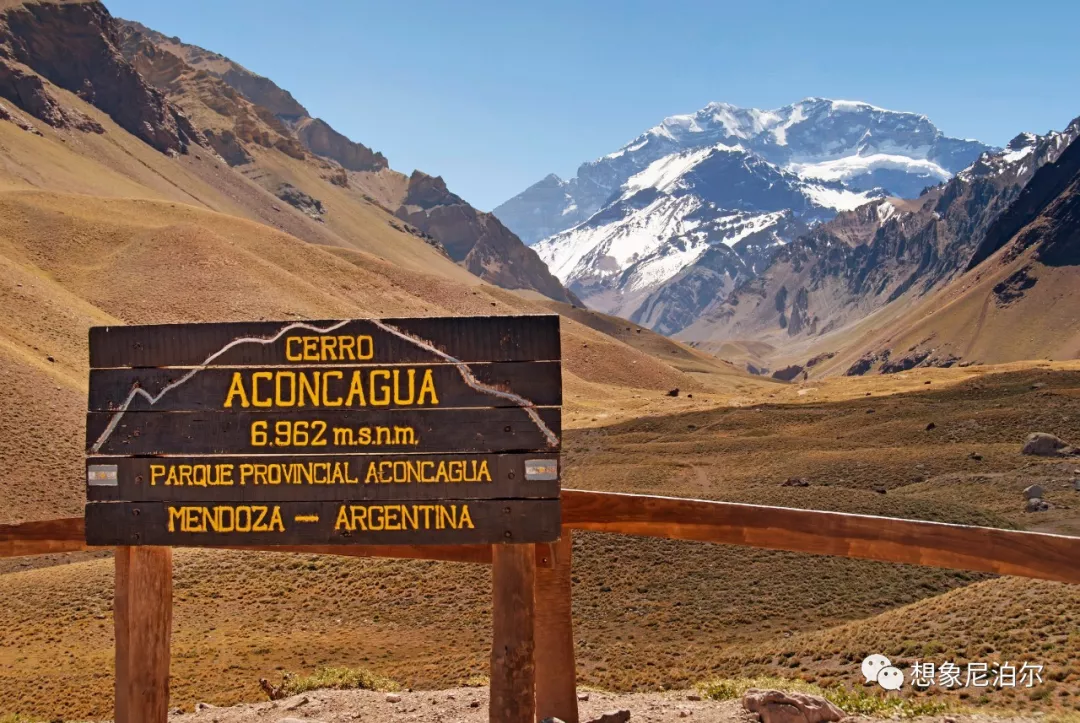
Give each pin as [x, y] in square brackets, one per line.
[469, 705]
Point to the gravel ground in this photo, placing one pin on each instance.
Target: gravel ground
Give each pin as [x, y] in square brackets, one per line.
[469, 705]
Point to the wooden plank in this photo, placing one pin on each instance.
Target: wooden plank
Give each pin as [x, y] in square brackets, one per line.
[556, 671]
[359, 387]
[960, 547]
[68, 534]
[142, 615]
[513, 609]
[467, 339]
[322, 477]
[42, 537]
[427, 430]
[477, 554]
[228, 524]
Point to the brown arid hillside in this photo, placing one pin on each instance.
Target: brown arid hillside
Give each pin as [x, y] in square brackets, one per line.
[649, 614]
[882, 265]
[1017, 300]
[269, 137]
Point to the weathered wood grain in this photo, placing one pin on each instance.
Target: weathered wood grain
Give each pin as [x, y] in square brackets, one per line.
[43, 537]
[981, 549]
[960, 547]
[513, 609]
[468, 339]
[556, 671]
[428, 430]
[142, 616]
[407, 386]
[318, 477]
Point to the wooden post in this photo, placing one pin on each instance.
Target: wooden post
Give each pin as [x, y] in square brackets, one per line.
[513, 670]
[142, 613]
[556, 674]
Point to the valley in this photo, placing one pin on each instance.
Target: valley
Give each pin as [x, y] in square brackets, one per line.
[826, 306]
[649, 614]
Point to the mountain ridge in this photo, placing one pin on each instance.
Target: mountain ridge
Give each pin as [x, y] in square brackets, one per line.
[763, 131]
[239, 112]
[642, 217]
[884, 262]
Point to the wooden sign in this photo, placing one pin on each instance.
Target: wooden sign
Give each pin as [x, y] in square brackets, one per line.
[398, 431]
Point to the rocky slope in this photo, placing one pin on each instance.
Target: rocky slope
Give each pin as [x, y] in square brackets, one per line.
[885, 255]
[1019, 295]
[665, 218]
[75, 46]
[243, 116]
[641, 218]
[314, 134]
[475, 239]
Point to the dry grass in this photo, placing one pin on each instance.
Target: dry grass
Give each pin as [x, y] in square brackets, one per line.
[649, 614]
[335, 678]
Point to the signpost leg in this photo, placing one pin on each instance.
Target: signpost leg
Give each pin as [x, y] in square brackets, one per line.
[556, 679]
[142, 612]
[513, 670]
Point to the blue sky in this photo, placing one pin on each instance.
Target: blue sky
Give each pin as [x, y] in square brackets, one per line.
[493, 95]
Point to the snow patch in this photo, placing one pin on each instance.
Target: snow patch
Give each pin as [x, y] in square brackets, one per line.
[607, 249]
[848, 167]
[885, 211]
[848, 106]
[1014, 156]
[668, 170]
[628, 148]
[663, 264]
[780, 131]
[836, 198]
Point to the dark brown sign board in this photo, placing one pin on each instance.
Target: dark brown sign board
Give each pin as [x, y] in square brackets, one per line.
[361, 431]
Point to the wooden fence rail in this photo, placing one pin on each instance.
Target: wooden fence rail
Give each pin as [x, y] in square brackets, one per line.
[143, 599]
[887, 539]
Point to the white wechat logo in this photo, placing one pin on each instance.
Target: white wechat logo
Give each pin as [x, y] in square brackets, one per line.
[872, 665]
[879, 669]
[891, 678]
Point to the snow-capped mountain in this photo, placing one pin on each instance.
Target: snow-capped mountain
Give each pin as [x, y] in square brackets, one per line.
[887, 252]
[667, 216]
[728, 181]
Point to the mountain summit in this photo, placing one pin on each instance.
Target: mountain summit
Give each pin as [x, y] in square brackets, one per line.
[721, 187]
[861, 144]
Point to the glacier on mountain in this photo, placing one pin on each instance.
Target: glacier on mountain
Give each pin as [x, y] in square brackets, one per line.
[721, 187]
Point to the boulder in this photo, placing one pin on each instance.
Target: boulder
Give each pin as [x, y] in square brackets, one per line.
[1034, 491]
[393, 698]
[1036, 504]
[788, 374]
[613, 716]
[795, 482]
[774, 706]
[1042, 444]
